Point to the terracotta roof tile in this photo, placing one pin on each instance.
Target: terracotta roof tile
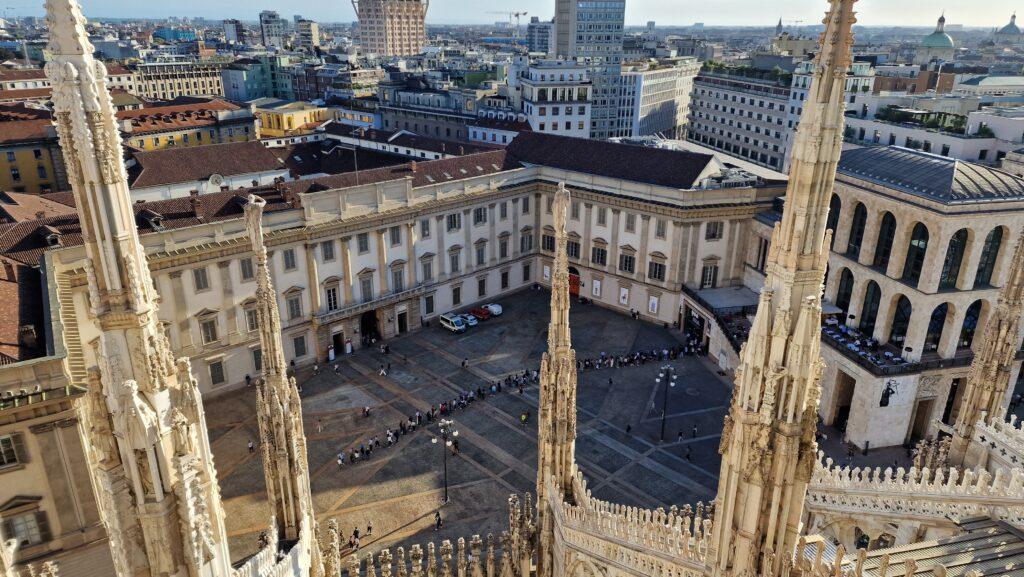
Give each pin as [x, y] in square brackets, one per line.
[194, 163]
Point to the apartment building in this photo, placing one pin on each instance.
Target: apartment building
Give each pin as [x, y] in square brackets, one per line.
[555, 97]
[273, 29]
[170, 80]
[655, 97]
[392, 27]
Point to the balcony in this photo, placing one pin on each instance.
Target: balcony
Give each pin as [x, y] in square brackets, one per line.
[884, 360]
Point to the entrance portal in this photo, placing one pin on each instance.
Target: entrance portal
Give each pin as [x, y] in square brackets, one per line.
[922, 416]
[338, 342]
[403, 322]
[845, 385]
[368, 327]
[574, 282]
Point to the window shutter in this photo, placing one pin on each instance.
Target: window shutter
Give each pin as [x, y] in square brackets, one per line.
[44, 527]
[18, 440]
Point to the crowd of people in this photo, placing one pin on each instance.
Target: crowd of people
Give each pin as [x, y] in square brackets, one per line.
[638, 358]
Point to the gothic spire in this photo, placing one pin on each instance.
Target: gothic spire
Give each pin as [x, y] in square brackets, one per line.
[556, 422]
[989, 378]
[768, 448]
[148, 449]
[279, 409]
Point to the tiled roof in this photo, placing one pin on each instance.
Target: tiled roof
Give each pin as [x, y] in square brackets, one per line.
[23, 130]
[195, 163]
[40, 74]
[405, 139]
[331, 157]
[21, 295]
[929, 175]
[176, 116]
[25, 94]
[502, 124]
[22, 207]
[672, 168]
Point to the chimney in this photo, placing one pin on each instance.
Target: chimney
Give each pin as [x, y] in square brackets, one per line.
[412, 166]
[40, 214]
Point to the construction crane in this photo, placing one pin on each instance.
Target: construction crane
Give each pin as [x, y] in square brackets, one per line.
[511, 15]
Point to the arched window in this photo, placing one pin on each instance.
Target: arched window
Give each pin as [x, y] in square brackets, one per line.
[970, 325]
[915, 254]
[954, 257]
[900, 321]
[886, 234]
[835, 206]
[869, 314]
[989, 254]
[935, 326]
[860, 220]
[845, 290]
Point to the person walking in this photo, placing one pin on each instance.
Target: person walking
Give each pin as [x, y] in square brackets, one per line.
[629, 428]
[252, 447]
[319, 425]
[680, 438]
[695, 431]
[382, 372]
[437, 520]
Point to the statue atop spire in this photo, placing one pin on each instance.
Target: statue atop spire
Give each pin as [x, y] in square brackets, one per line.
[768, 445]
[989, 378]
[556, 436]
[279, 409]
[148, 449]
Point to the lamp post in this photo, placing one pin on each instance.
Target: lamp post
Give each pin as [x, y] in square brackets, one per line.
[448, 435]
[668, 374]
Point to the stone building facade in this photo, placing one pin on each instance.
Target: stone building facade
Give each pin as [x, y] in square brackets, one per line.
[392, 27]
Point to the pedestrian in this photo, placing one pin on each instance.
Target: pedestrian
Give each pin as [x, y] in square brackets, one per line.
[369, 528]
[389, 367]
[319, 425]
[248, 380]
[629, 428]
[609, 381]
[695, 431]
[252, 447]
[437, 520]
[383, 373]
[465, 363]
[689, 450]
[316, 369]
[680, 438]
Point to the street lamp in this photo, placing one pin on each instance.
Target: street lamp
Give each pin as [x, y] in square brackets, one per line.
[448, 435]
[668, 374]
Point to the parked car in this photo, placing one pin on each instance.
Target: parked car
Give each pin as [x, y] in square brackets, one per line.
[482, 313]
[495, 309]
[454, 323]
[469, 319]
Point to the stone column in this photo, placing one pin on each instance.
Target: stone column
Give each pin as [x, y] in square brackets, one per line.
[346, 269]
[841, 236]
[181, 312]
[860, 287]
[950, 340]
[900, 244]
[492, 237]
[613, 244]
[228, 300]
[938, 245]
[676, 259]
[916, 333]
[642, 256]
[410, 254]
[442, 255]
[969, 265]
[515, 227]
[588, 208]
[692, 271]
[468, 250]
[314, 278]
[382, 261]
[883, 320]
[870, 242]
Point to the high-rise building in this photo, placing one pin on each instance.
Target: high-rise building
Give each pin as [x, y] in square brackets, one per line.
[655, 97]
[539, 35]
[392, 27]
[272, 29]
[234, 31]
[592, 31]
[307, 34]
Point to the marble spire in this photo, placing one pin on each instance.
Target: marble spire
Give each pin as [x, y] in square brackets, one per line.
[556, 421]
[148, 450]
[768, 443]
[279, 409]
[985, 392]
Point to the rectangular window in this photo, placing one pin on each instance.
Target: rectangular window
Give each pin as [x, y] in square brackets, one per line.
[599, 256]
[294, 307]
[627, 263]
[549, 204]
[363, 242]
[332, 298]
[15, 174]
[526, 272]
[217, 375]
[200, 279]
[453, 262]
[289, 259]
[247, 269]
[327, 250]
[428, 305]
[41, 170]
[574, 210]
[10, 156]
[10, 449]
[481, 255]
[709, 276]
[714, 230]
[656, 271]
[28, 528]
[257, 359]
[503, 210]
[456, 296]
[366, 288]
[602, 216]
[396, 235]
[299, 346]
[526, 243]
[453, 222]
[572, 248]
[479, 216]
[503, 248]
[428, 270]
[659, 228]
[547, 243]
[504, 279]
[425, 228]
[251, 319]
[481, 287]
[398, 280]
[526, 205]
[630, 223]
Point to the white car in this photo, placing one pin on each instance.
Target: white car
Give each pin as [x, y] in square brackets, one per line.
[469, 320]
[454, 323]
[495, 309]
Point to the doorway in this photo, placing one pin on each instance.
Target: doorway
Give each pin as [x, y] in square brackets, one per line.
[403, 322]
[845, 385]
[952, 408]
[922, 416]
[574, 282]
[368, 327]
[338, 342]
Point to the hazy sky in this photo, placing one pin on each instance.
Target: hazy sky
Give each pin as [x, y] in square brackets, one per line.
[990, 13]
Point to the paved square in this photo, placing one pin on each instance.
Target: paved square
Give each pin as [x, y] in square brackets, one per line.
[399, 488]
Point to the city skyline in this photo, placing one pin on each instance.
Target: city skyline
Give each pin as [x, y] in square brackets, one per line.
[638, 12]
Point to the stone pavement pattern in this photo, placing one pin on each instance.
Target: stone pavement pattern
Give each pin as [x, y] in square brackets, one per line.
[398, 489]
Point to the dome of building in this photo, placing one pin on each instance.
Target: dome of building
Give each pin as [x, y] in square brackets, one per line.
[1010, 28]
[939, 38]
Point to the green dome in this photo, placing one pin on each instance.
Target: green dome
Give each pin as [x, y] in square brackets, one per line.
[938, 40]
[1010, 28]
